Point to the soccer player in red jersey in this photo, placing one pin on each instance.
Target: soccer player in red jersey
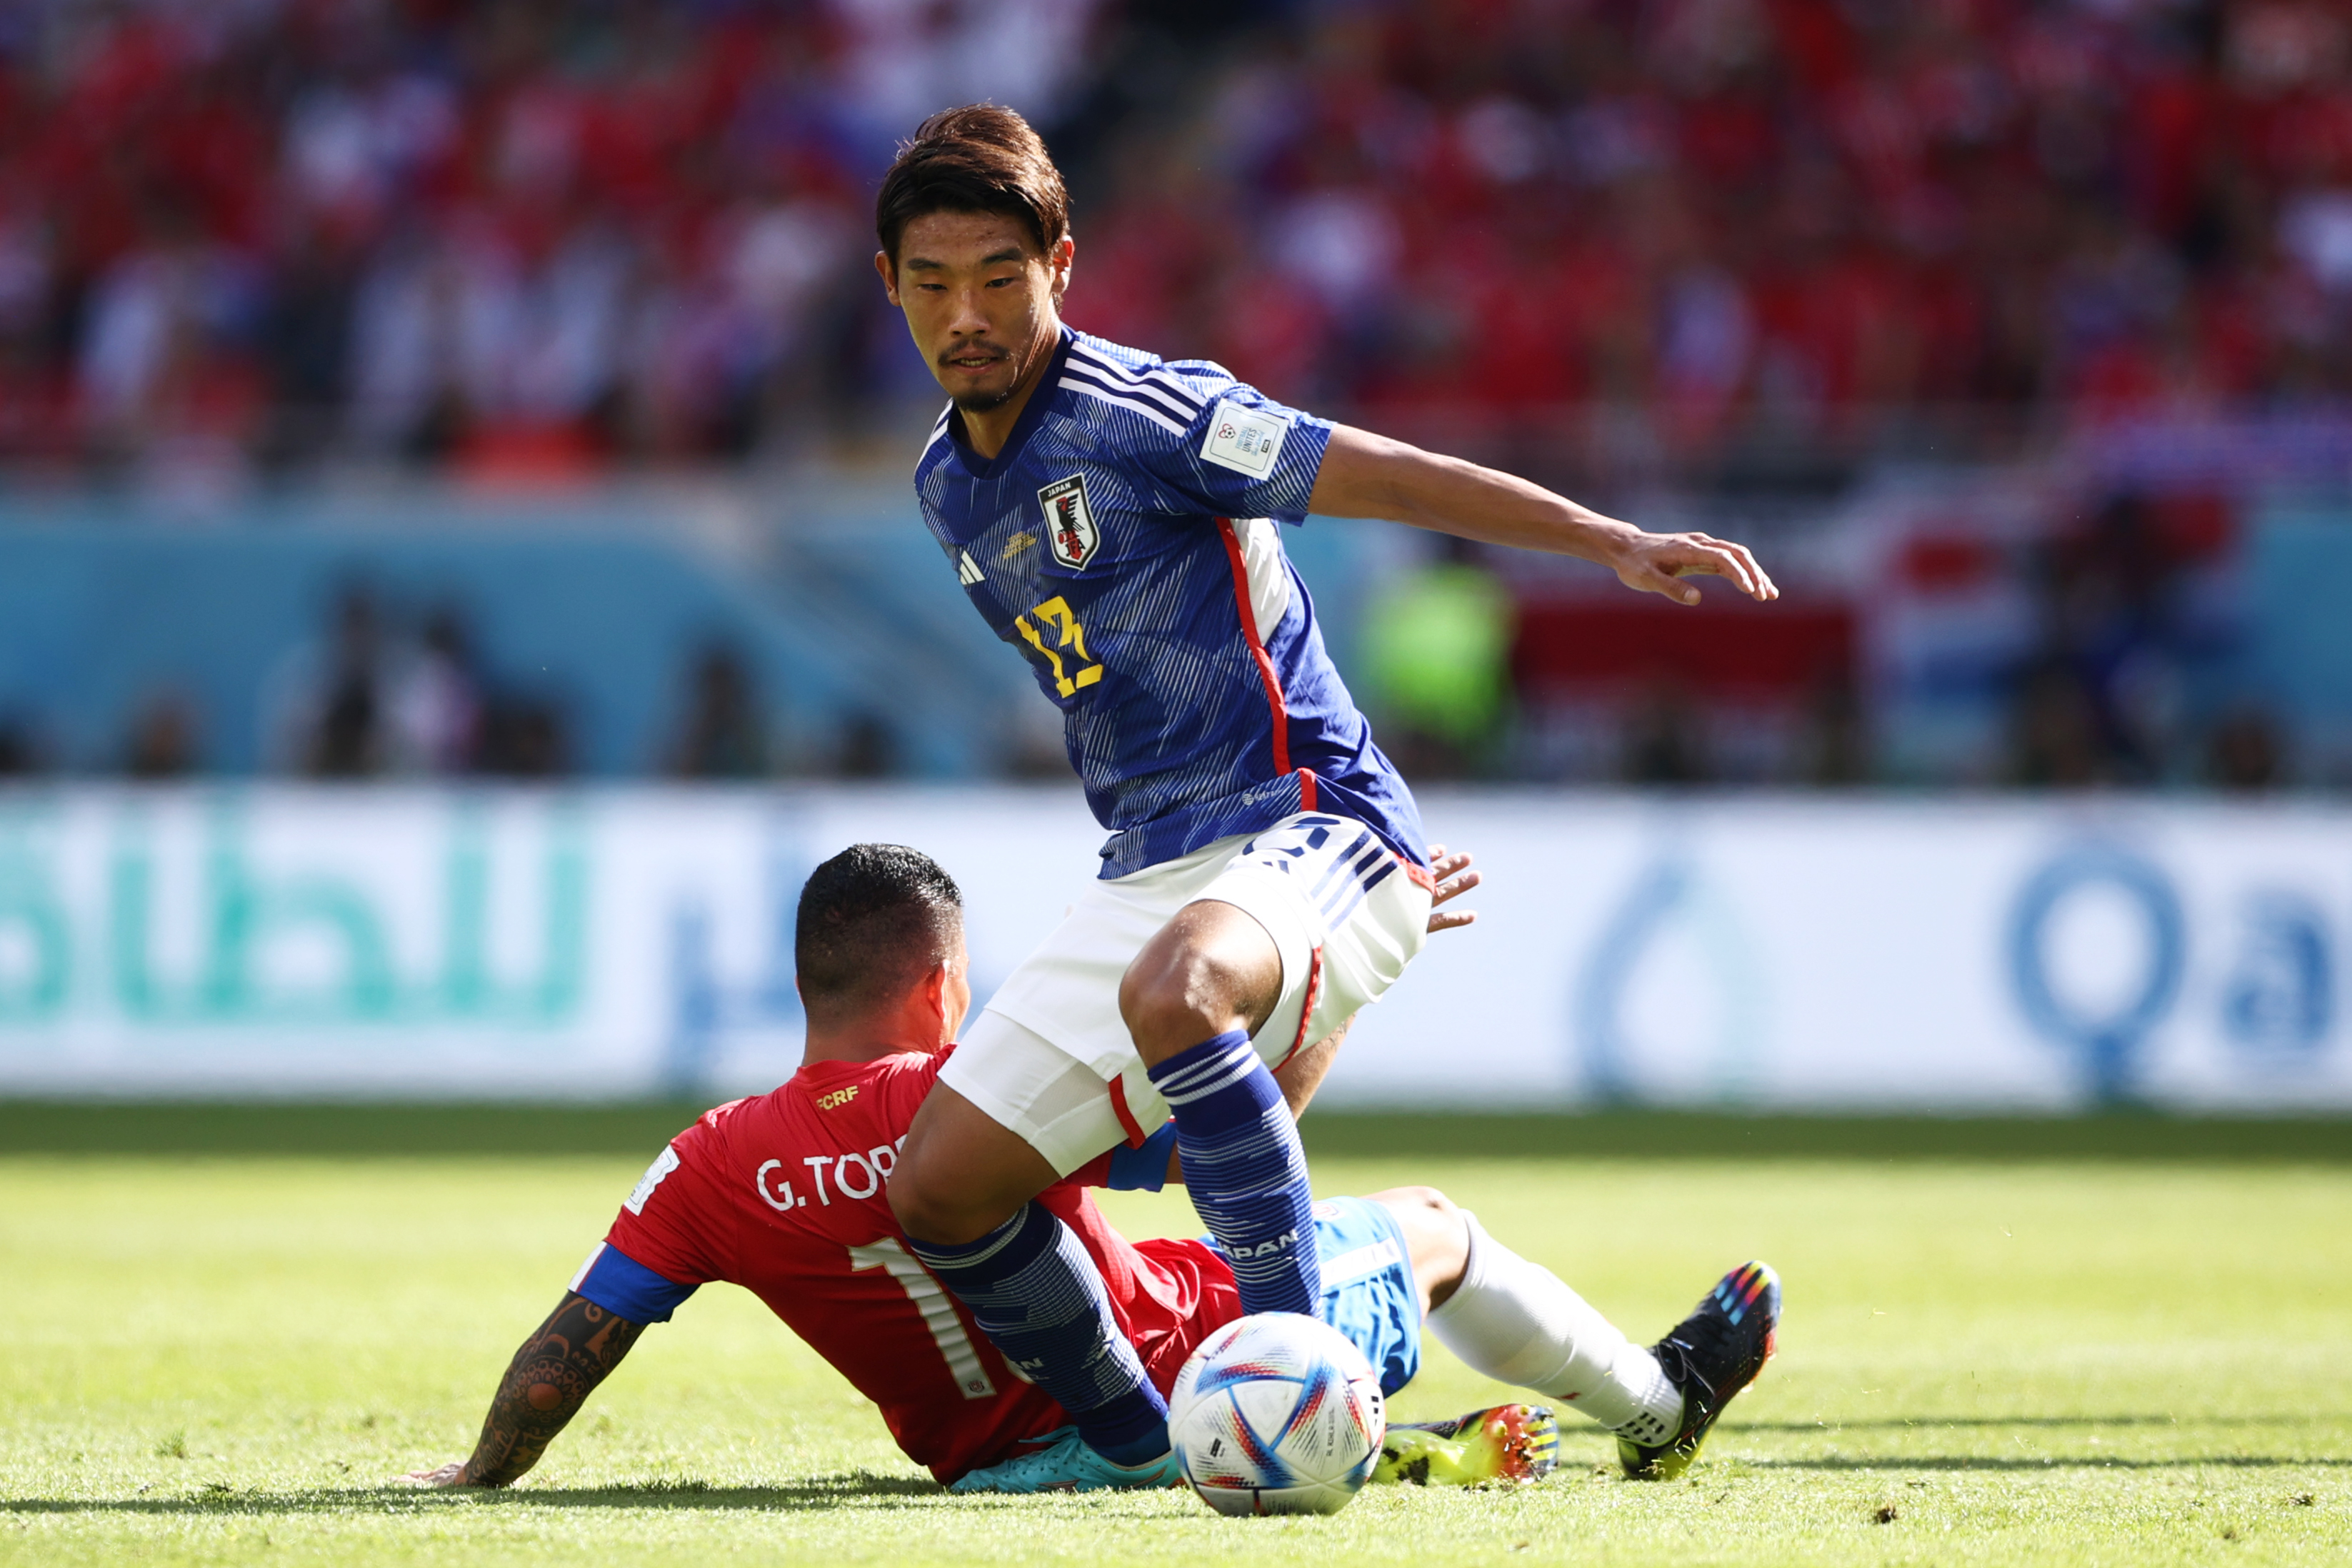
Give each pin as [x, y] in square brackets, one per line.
[782, 1194]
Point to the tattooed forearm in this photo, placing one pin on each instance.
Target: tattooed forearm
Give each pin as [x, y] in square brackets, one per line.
[548, 1381]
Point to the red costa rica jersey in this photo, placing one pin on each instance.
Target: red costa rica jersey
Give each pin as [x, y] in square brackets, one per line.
[783, 1195]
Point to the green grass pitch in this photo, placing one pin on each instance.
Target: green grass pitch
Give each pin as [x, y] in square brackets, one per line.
[219, 1359]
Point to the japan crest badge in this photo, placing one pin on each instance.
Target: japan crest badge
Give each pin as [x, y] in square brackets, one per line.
[1069, 525]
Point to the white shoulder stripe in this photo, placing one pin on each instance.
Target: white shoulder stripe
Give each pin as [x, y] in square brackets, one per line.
[1168, 382]
[1147, 410]
[1183, 411]
[1175, 395]
[1165, 379]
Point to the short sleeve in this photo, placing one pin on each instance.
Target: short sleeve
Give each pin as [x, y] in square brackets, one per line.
[1241, 454]
[627, 1288]
[666, 1222]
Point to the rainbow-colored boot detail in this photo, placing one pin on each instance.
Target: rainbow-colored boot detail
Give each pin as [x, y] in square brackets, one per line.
[1710, 1356]
[1505, 1443]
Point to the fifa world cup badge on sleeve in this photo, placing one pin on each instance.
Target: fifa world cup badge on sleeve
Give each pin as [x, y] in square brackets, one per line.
[1246, 440]
[1069, 523]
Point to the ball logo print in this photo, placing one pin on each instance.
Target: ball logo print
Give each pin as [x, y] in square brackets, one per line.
[1277, 1414]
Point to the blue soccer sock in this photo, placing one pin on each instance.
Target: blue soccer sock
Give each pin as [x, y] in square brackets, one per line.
[1246, 1170]
[1041, 1300]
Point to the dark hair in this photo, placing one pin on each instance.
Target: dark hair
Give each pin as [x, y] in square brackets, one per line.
[873, 920]
[978, 159]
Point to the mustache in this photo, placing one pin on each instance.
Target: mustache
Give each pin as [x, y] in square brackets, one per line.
[974, 350]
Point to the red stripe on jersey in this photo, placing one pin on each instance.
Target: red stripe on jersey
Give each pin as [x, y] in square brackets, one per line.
[1307, 1007]
[1421, 876]
[1307, 789]
[1127, 1122]
[1257, 645]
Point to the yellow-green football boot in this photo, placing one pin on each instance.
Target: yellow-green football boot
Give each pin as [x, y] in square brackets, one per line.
[1506, 1443]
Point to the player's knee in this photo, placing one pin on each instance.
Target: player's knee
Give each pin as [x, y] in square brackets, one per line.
[1420, 1203]
[1173, 998]
[1160, 1002]
[1437, 1239]
[936, 1211]
[1195, 979]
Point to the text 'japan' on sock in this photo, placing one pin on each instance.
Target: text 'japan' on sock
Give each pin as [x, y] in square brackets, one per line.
[1245, 1168]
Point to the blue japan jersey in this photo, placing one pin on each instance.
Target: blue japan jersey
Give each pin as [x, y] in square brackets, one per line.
[1125, 541]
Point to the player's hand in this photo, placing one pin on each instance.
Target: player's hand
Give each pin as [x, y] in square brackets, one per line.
[450, 1475]
[1454, 878]
[1657, 563]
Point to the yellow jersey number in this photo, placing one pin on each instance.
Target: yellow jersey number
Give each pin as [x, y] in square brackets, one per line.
[1061, 624]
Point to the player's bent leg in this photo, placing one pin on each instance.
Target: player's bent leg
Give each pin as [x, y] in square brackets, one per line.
[1036, 1294]
[994, 1131]
[1212, 969]
[1710, 1356]
[962, 1172]
[1340, 917]
[1193, 998]
[1518, 1322]
[1374, 1251]
[1436, 1238]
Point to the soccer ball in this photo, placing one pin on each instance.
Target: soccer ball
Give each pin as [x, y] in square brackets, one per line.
[1277, 1414]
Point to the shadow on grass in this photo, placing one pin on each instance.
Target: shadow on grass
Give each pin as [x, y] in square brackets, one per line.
[817, 1495]
[2043, 1462]
[2031, 1461]
[1927, 1423]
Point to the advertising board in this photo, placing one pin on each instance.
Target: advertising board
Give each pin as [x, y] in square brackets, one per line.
[1733, 950]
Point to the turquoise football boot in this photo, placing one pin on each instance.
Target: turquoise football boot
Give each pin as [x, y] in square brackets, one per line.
[1067, 1464]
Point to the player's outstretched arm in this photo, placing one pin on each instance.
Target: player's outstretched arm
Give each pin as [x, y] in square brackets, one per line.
[1369, 475]
[545, 1386]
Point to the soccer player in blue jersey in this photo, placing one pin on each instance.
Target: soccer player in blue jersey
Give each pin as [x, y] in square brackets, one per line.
[1116, 518]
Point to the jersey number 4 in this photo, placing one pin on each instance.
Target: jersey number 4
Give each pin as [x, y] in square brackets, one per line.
[1059, 617]
[931, 1299]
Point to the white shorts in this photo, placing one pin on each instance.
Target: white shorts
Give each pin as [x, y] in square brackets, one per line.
[1050, 1057]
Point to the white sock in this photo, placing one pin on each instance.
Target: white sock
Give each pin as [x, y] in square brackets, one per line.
[1518, 1322]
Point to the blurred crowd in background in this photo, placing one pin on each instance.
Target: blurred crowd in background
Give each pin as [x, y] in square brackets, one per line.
[530, 235]
[373, 695]
[1736, 248]
[523, 236]
[1715, 228]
